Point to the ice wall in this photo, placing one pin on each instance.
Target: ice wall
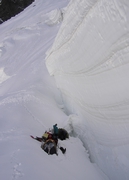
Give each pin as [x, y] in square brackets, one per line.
[90, 62]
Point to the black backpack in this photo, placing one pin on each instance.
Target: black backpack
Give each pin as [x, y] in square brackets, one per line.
[62, 134]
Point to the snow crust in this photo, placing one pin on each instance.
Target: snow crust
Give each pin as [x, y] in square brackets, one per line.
[30, 102]
[90, 63]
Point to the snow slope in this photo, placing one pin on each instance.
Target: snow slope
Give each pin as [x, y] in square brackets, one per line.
[30, 102]
[90, 62]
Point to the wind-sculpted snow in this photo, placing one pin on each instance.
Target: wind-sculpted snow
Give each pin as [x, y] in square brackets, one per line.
[90, 62]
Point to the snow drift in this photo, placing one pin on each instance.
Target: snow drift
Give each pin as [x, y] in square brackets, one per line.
[90, 62]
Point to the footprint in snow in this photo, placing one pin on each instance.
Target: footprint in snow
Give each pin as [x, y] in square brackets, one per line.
[16, 166]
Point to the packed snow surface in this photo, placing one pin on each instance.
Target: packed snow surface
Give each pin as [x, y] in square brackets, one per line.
[90, 62]
[30, 102]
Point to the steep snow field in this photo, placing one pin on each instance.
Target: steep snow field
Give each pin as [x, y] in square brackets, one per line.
[30, 102]
[90, 62]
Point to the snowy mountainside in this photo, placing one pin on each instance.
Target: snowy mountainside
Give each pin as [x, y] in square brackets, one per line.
[30, 102]
[90, 60]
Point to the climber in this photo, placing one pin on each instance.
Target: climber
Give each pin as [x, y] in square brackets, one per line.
[55, 130]
[49, 143]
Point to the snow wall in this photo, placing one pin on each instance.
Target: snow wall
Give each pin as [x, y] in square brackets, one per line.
[90, 62]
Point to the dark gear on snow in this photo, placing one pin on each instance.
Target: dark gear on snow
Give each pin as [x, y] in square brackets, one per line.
[49, 140]
[63, 150]
[62, 134]
[49, 146]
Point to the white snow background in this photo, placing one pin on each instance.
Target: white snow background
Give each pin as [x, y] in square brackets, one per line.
[31, 103]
